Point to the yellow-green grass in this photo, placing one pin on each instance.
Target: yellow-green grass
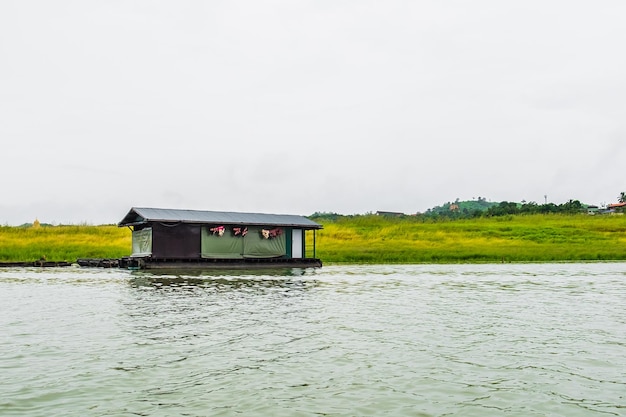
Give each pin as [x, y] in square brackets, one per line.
[374, 239]
[63, 243]
[533, 238]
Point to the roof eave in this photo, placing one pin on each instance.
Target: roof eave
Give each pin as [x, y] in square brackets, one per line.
[147, 221]
[141, 216]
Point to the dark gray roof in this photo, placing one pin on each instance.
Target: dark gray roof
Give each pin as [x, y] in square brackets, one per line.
[142, 215]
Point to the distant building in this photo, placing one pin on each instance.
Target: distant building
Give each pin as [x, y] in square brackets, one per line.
[616, 208]
[389, 213]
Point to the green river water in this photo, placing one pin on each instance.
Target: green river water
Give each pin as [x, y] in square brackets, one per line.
[402, 340]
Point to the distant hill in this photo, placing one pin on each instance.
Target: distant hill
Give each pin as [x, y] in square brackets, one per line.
[465, 208]
[26, 225]
[456, 209]
[480, 207]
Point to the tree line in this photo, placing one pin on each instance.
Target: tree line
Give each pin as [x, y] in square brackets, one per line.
[483, 208]
[460, 210]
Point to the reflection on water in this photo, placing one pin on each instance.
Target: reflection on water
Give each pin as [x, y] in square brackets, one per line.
[225, 280]
[229, 273]
[219, 284]
[425, 340]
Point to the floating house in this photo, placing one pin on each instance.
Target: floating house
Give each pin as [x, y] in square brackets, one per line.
[173, 238]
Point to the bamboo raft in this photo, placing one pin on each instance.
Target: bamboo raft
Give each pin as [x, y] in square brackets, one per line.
[38, 264]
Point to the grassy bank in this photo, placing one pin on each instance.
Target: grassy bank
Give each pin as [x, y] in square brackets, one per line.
[375, 239]
[63, 243]
[532, 238]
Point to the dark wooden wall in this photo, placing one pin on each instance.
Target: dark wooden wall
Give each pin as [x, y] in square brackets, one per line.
[181, 241]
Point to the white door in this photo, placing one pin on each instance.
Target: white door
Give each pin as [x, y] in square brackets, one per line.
[296, 243]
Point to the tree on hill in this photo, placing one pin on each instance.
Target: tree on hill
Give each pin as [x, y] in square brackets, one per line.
[324, 216]
[505, 208]
[460, 209]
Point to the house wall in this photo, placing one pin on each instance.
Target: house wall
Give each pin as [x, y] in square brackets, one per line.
[189, 241]
[256, 246]
[252, 245]
[227, 246]
[180, 241]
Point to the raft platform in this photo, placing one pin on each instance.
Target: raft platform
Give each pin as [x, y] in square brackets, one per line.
[140, 263]
[246, 263]
[98, 262]
[38, 264]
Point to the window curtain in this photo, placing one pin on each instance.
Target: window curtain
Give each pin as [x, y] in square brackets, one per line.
[142, 242]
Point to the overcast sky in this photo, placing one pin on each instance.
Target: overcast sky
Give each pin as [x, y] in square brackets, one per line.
[303, 106]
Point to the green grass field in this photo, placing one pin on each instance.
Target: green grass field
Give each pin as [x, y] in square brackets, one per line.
[63, 243]
[374, 239]
[533, 238]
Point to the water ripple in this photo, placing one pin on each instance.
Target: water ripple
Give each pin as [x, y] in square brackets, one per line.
[420, 340]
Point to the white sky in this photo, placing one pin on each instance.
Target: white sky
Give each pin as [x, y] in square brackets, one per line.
[304, 106]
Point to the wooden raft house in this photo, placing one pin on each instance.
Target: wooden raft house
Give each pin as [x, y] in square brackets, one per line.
[173, 238]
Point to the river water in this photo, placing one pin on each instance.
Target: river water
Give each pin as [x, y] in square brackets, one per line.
[401, 340]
